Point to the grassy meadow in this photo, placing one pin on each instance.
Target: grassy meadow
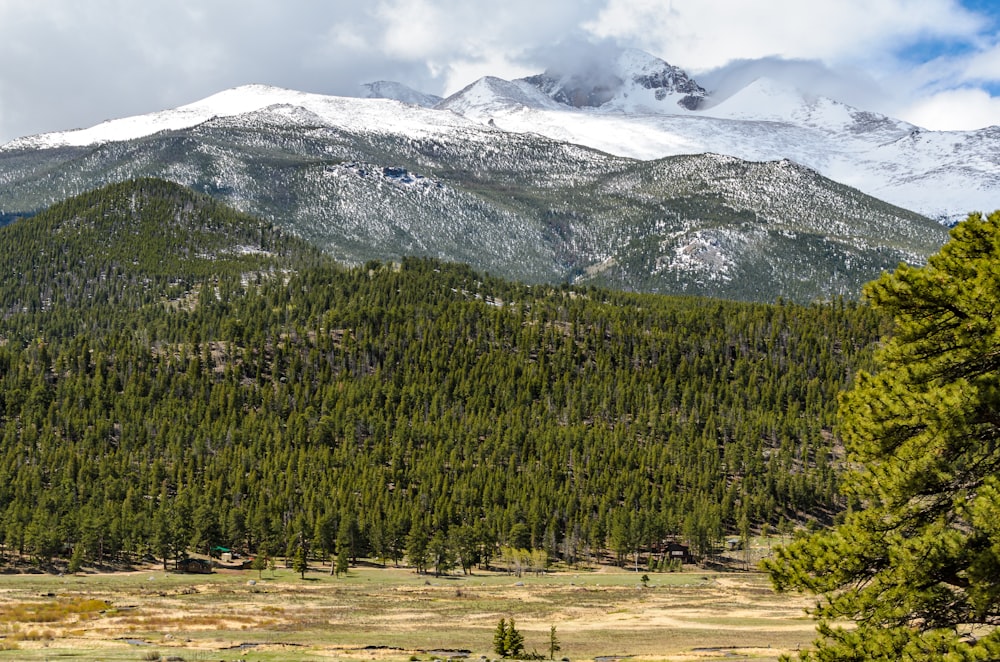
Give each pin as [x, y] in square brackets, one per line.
[391, 614]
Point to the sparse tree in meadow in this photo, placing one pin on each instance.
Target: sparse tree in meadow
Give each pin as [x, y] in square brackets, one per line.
[299, 563]
[342, 563]
[463, 540]
[416, 546]
[507, 640]
[513, 640]
[75, 560]
[441, 553]
[500, 638]
[259, 563]
[325, 535]
[554, 646]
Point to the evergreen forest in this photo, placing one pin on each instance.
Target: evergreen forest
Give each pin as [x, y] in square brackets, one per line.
[176, 376]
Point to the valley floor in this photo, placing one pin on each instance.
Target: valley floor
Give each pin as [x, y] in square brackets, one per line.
[376, 614]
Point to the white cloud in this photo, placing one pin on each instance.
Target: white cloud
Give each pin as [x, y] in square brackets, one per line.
[702, 34]
[65, 63]
[985, 65]
[812, 77]
[413, 29]
[954, 110]
[849, 50]
[461, 41]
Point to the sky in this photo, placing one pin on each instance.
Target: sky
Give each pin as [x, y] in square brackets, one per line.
[68, 64]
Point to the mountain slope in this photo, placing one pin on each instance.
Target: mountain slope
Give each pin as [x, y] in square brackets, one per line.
[638, 106]
[112, 248]
[632, 81]
[376, 179]
[635, 105]
[384, 89]
[245, 392]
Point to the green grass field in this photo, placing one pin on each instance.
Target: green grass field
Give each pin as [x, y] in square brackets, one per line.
[391, 615]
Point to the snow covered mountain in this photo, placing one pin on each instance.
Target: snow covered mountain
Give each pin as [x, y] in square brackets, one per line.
[347, 112]
[624, 173]
[632, 81]
[641, 107]
[380, 179]
[635, 105]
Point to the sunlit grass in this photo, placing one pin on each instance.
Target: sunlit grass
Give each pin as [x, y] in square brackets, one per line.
[389, 615]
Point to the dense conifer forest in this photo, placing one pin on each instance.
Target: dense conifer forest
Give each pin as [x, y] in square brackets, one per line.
[176, 377]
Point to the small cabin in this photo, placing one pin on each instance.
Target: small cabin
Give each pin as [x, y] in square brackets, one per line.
[675, 550]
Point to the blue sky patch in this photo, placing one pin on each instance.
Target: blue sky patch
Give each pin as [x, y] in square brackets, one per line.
[990, 8]
[932, 49]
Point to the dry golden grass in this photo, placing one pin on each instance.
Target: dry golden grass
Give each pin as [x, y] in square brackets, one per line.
[392, 615]
[52, 611]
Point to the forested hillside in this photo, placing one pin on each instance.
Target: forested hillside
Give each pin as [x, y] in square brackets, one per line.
[176, 376]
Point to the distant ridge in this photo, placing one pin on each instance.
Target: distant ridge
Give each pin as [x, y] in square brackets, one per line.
[635, 105]
[376, 179]
[383, 89]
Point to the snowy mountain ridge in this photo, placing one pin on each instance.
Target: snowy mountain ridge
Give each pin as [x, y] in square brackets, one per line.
[385, 89]
[348, 112]
[633, 82]
[638, 106]
[623, 173]
[943, 175]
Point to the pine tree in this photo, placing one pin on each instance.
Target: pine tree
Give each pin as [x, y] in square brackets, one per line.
[299, 563]
[417, 546]
[259, 563]
[554, 646]
[441, 554]
[916, 564]
[75, 560]
[500, 638]
[342, 562]
[513, 640]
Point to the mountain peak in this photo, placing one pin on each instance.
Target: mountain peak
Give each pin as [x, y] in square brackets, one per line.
[490, 94]
[233, 101]
[387, 89]
[631, 79]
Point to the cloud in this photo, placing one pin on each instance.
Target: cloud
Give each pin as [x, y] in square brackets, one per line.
[984, 66]
[812, 77]
[891, 56]
[704, 34]
[66, 64]
[574, 54]
[81, 62]
[462, 41]
[955, 110]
